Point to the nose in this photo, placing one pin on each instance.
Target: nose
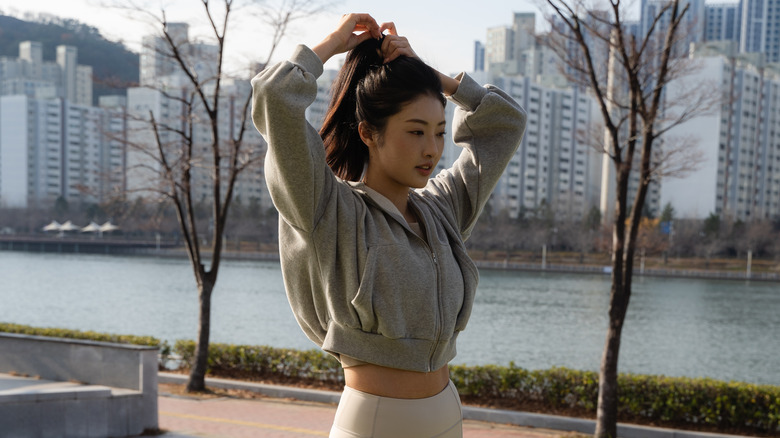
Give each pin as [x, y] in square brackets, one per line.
[431, 146]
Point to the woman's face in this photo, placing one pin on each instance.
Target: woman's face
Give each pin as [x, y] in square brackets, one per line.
[406, 153]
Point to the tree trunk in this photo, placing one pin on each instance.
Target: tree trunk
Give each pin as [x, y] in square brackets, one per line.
[607, 410]
[197, 382]
[606, 419]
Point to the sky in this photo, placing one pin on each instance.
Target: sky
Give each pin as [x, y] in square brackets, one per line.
[442, 33]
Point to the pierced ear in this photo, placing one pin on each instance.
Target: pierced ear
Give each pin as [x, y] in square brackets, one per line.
[366, 134]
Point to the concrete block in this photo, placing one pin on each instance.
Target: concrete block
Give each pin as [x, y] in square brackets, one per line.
[120, 398]
[19, 420]
[119, 416]
[90, 414]
[52, 418]
[92, 392]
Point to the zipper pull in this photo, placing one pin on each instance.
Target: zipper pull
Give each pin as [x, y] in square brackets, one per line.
[435, 261]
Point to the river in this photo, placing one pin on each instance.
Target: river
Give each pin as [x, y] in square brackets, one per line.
[724, 329]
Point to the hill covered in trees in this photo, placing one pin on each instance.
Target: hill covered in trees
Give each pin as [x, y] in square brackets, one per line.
[112, 62]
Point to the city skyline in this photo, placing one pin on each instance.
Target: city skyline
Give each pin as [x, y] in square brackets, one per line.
[543, 171]
[429, 29]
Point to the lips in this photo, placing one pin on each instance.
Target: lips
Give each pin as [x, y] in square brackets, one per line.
[425, 169]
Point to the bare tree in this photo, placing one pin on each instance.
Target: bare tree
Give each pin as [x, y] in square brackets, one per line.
[628, 76]
[196, 157]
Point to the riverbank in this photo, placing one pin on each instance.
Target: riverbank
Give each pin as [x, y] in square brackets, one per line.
[565, 262]
[741, 268]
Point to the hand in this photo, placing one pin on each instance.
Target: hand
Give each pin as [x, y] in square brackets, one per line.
[394, 45]
[344, 38]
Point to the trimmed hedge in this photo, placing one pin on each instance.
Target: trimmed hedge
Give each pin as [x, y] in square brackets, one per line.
[725, 406]
[655, 399]
[262, 361]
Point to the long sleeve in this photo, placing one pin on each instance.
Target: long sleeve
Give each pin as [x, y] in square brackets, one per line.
[489, 125]
[296, 172]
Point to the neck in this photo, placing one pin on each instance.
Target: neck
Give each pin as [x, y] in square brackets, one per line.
[398, 196]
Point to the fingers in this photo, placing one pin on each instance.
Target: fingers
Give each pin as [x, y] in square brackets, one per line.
[360, 23]
[394, 46]
[390, 27]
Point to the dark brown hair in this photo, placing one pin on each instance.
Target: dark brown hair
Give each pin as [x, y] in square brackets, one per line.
[368, 90]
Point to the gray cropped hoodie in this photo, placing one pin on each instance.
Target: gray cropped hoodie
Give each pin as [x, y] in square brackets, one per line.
[360, 282]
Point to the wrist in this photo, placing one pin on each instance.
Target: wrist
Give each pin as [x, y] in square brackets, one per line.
[325, 49]
[449, 85]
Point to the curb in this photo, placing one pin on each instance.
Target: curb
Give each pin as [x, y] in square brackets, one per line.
[500, 416]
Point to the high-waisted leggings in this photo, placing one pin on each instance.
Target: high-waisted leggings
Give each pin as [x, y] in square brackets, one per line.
[363, 415]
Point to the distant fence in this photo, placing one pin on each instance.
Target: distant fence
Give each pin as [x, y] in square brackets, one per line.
[80, 244]
[650, 272]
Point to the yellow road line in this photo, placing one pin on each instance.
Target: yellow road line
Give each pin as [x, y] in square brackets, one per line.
[246, 423]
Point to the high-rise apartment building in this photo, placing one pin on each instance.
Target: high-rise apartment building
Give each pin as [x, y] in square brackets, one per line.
[163, 85]
[51, 148]
[693, 25]
[499, 45]
[29, 74]
[759, 28]
[479, 56]
[506, 46]
[555, 165]
[53, 142]
[739, 177]
[722, 22]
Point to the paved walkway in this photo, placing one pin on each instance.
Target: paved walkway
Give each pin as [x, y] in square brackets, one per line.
[276, 418]
[285, 412]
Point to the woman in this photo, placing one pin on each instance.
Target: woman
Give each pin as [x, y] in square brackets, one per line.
[372, 249]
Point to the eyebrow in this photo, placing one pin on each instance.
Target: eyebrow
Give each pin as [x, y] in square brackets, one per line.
[423, 122]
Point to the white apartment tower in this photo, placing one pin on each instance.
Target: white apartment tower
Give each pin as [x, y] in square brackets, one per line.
[51, 148]
[507, 46]
[499, 45]
[53, 142]
[554, 166]
[30, 151]
[739, 177]
[67, 57]
[30, 75]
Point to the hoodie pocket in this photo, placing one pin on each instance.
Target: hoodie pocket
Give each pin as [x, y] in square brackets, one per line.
[363, 302]
[397, 295]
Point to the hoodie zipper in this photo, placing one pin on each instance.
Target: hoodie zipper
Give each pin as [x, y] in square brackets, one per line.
[438, 323]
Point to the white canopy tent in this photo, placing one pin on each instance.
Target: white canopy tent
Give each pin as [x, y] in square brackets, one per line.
[69, 226]
[91, 228]
[53, 226]
[108, 227]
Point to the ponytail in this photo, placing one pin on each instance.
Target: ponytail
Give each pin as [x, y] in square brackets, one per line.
[368, 90]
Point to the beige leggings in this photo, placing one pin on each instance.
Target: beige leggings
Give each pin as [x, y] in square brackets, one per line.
[363, 415]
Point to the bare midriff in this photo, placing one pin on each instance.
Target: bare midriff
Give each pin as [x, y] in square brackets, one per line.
[396, 383]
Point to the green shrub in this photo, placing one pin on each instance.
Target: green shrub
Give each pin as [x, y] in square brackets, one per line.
[659, 399]
[264, 361]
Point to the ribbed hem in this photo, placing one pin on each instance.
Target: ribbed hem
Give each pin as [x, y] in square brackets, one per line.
[469, 93]
[406, 353]
[307, 59]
